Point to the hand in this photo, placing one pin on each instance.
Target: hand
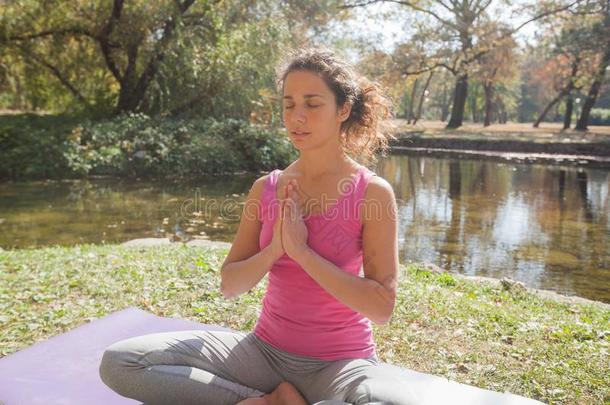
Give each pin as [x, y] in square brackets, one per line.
[294, 231]
[276, 248]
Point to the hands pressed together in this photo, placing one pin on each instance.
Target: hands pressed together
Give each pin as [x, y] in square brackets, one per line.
[289, 231]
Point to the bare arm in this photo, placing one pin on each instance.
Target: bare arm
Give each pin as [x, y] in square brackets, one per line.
[246, 264]
[374, 294]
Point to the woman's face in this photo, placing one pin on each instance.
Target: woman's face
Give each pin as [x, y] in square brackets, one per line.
[310, 112]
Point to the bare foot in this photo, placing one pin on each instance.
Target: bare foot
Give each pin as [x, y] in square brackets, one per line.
[254, 401]
[284, 394]
[288, 394]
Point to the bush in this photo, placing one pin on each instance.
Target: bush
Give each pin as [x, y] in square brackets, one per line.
[599, 116]
[138, 145]
[33, 146]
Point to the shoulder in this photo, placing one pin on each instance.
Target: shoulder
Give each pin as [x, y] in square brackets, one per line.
[378, 198]
[378, 188]
[258, 186]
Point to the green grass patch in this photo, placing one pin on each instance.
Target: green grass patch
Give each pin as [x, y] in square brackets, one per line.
[469, 331]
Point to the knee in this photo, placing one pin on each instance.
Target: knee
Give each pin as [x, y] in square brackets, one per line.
[113, 366]
[109, 366]
[383, 391]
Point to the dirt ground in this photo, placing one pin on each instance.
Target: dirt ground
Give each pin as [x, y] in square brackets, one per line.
[512, 130]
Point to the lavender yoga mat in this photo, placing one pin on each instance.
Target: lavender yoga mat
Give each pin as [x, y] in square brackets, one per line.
[63, 370]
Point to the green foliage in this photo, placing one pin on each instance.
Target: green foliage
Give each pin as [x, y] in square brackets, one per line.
[225, 79]
[213, 63]
[600, 116]
[33, 146]
[137, 145]
[446, 279]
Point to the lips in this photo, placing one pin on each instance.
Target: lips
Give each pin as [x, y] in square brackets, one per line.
[300, 133]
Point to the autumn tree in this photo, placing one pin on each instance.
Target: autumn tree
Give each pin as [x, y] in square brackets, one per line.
[600, 39]
[496, 66]
[462, 21]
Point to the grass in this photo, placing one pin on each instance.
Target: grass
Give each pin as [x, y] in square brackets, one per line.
[494, 337]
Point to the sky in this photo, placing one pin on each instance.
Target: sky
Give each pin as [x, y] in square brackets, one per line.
[387, 23]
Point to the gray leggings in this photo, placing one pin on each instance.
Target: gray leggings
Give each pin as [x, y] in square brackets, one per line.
[221, 367]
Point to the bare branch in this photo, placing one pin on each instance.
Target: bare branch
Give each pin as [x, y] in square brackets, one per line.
[480, 7]
[404, 3]
[450, 9]
[104, 41]
[154, 63]
[47, 33]
[428, 69]
[542, 15]
[57, 73]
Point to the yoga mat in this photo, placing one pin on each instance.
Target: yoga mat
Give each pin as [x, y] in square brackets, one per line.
[64, 370]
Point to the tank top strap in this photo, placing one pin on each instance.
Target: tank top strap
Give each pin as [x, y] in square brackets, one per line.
[269, 194]
[362, 180]
[271, 184]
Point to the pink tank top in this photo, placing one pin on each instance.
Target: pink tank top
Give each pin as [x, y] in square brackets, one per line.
[298, 315]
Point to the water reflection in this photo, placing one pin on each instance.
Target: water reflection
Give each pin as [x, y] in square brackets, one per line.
[544, 225]
[107, 211]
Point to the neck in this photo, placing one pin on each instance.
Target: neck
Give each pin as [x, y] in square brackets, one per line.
[314, 164]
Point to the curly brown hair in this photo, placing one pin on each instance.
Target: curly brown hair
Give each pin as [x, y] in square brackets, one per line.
[368, 128]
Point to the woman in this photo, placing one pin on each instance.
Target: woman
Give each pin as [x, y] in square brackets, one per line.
[325, 230]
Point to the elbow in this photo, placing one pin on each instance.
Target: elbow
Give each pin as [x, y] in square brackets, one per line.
[382, 321]
[227, 295]
[385, 317]
[223, 288]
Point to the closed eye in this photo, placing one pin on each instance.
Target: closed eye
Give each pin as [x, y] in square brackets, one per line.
[310, 106]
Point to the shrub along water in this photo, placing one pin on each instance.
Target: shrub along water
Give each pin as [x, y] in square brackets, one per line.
[133, 145]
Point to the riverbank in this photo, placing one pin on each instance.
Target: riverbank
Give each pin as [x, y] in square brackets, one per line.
[512, 141]
[499, 337]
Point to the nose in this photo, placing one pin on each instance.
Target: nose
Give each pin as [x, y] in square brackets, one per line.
[298, 117]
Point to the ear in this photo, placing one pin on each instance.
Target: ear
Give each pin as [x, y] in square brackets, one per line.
[344, 112]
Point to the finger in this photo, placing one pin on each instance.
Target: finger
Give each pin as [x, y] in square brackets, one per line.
[300, 192]
[300, 197]
[281, 225]
[295, 192]
[290, 209]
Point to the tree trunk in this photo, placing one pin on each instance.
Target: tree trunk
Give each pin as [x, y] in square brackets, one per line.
[410, 114]
[445, 103]
[488, 88]
[583, 121]
[422, 97]
[444, 112]
[548, 108]
[567, 119]
[473, 108]
[459, 100]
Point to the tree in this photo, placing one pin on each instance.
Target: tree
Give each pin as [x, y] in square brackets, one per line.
[600, 37]
[574, 45]
[462, 20]
[496, 66]
[133, 39]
